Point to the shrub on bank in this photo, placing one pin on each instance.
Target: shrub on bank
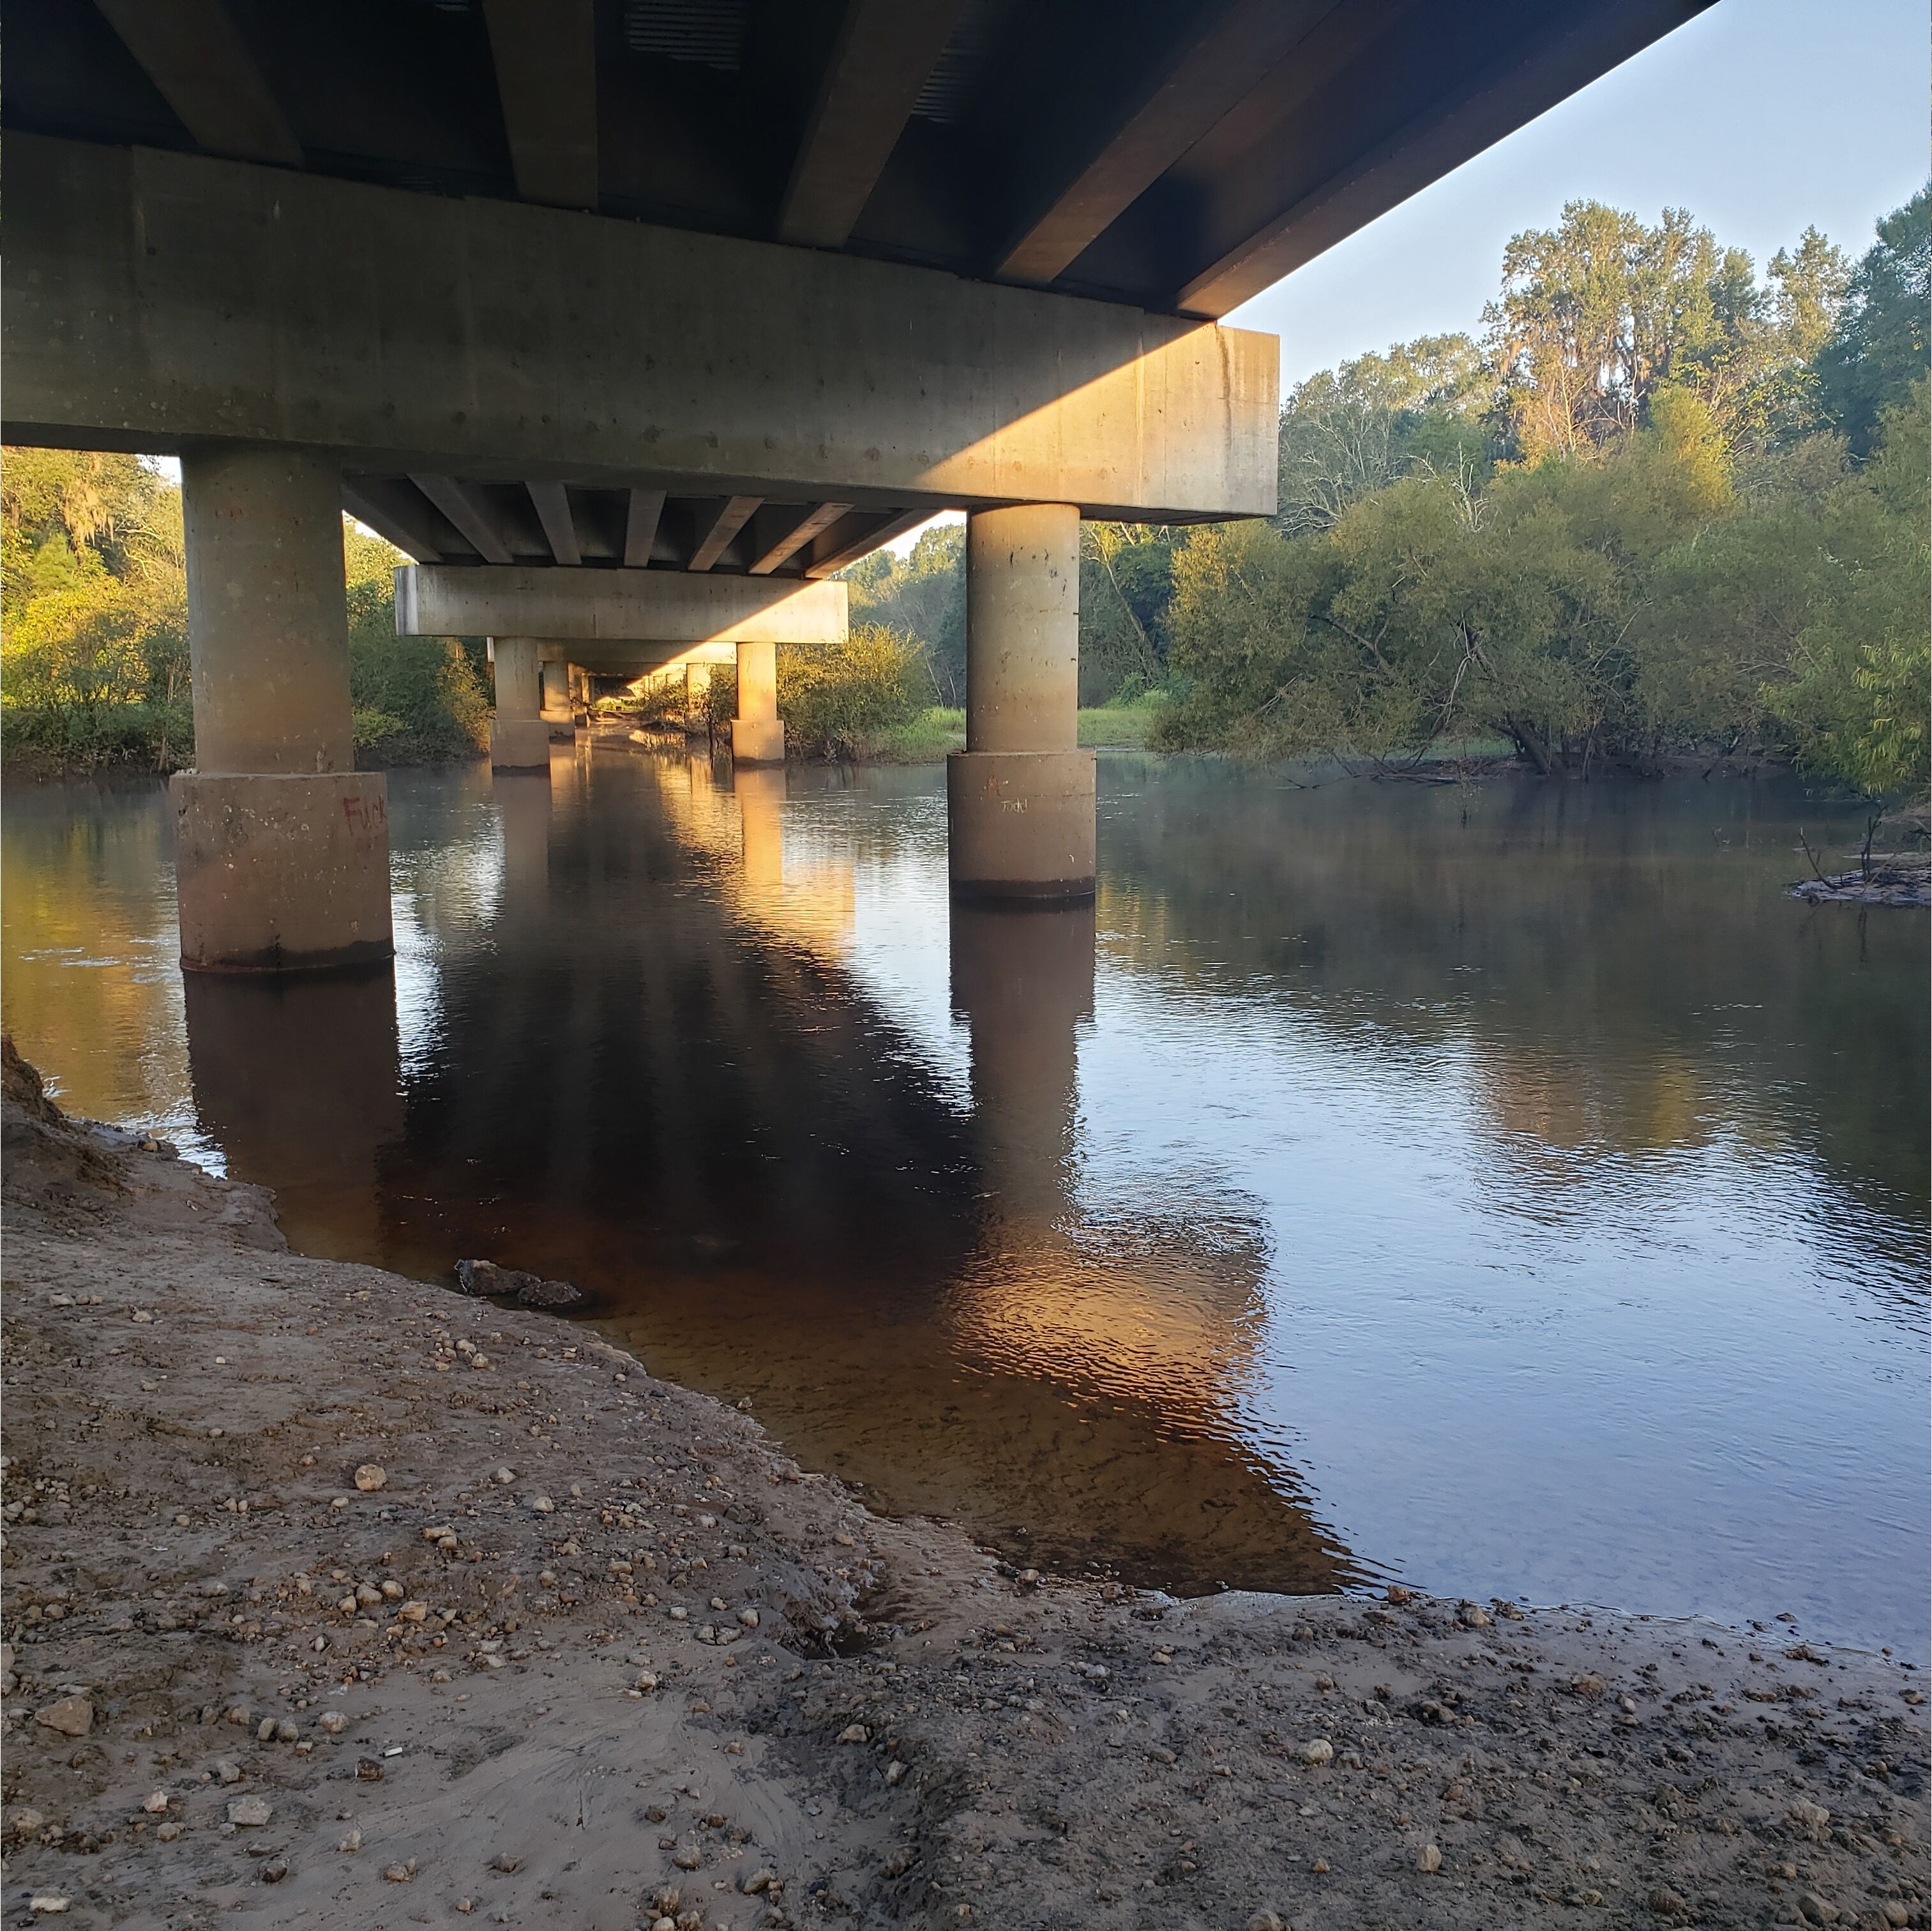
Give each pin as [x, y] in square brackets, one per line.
[838, 700]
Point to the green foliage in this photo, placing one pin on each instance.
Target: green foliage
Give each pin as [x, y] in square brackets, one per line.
[1126, 580]
[1852, 690]
[1678, 554]
[1879, 349]
[93, 667]
[95, 655]
[418, 700]
[922, 596]
[836, 699]
[1347, 432]
[1603, 313]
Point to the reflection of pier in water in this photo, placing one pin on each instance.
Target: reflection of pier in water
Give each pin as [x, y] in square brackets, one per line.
[647, 1069]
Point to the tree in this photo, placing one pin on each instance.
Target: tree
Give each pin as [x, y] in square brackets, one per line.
[1879, 347]
[93, 598]
[1600, 314]
[923, 597]
[1348, 432]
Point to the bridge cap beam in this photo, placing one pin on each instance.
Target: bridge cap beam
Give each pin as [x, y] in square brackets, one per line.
[663, 607]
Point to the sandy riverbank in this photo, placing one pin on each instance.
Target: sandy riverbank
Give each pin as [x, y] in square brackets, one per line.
[616, 1659]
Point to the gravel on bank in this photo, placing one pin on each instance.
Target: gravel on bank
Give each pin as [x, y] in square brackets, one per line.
[334, 1598]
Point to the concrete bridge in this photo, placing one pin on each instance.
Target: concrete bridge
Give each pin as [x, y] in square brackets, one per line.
[647, 317]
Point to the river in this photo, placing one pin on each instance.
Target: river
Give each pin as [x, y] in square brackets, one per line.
[1504, 1188]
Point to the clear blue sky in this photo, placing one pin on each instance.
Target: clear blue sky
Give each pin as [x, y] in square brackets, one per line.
[1760, 116]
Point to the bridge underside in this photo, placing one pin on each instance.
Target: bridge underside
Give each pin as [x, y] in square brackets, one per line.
[690, 300]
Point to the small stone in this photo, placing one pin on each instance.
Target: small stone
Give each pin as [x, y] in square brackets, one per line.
[645, 1682]
[760, 1879]
[503, 1861]
[541, 1504]
[855, 1733]
[287, 1732]
[1428, 1859]
[1320, 1867]
[370, 1476]
[265, 1732]
[353, 1841]
[1817, 1910]
[748, 1617]
[400, 1873]
[1474, 1616]
[1319, 1751]
[49, 1902]
[1395, 1592]
[169, 1832]
[228, 1770]
[155, 1801]
[687, 1857]
[412, 1612]
[368, 1770]
[1510, 1853]
[333, 1721]
[246, 1810]
[894, 1771]
[1665, 1903]
[1266, 1921]
[503, 1475]
[71, 1715]
[1813, 1818]
[275, 1870]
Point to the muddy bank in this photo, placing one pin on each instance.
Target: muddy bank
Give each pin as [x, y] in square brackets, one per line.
[332, 1598]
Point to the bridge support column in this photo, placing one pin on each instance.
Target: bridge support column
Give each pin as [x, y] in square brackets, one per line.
[519, 737]
[1020, 798]
[557, 711]
[281, 846]
[757, 736]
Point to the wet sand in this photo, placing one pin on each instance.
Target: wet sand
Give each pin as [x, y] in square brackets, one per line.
[596, 1653]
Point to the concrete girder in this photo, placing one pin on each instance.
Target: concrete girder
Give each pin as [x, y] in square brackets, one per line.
[202, 67]
[157, 299]
[669, 606]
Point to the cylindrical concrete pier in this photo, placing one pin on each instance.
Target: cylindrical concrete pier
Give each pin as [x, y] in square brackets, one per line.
[1020, 796]
[519, 737]
[281, 847]
[757, 737]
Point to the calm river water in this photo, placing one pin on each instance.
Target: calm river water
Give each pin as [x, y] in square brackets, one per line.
[1502, 1188]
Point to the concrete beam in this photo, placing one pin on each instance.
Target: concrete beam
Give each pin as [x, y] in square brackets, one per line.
[884, 51]
[1187, 91]
[552, 503]
[733, 514]
[1266, 222]
[154, 298]
[641, 516]
[545, 52]
[670, 607]
[198, 63]
[813, 524]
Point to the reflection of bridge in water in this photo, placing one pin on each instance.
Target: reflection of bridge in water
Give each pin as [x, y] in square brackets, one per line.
[648, 1068]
